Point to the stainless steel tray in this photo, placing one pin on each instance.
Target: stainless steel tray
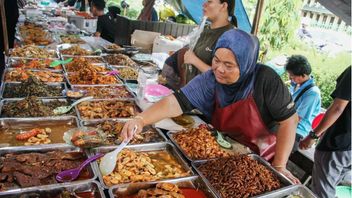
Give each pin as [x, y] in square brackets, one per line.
[236, 147]
[10, 127]
[54, 191]
[13, 61]
[112, 95]
[161, 136]
[61, 85]
[126, 80]
[283, 179]
[54, 54]
[33, 70]
[298, 190]
[6, 101]
[194, 182]
[103, 65]
[137, 109]
[143, 148]
[118, 81]
[67, 46]
[64, 148]
[88, 57]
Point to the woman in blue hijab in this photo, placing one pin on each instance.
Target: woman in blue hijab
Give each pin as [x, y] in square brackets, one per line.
[246, 100]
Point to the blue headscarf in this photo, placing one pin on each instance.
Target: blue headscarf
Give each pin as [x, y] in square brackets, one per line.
[245, 47]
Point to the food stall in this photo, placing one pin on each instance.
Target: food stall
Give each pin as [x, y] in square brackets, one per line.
[50, 69]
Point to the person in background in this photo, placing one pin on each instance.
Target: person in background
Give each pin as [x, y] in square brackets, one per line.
[332, 157]
[305, 94]
[106, 27]
[246, 100]
[148, 13]
[12, 14]
[218, 13]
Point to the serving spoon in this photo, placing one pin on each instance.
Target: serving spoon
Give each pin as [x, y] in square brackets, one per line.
[65, 109]
[72, 174]
[108, 162]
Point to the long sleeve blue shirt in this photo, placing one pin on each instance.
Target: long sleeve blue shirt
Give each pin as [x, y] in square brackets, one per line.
[307, 106]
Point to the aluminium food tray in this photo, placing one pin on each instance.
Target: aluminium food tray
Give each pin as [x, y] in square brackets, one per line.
[143, 148]
[194, 182]
[64, 148]
[283, 179]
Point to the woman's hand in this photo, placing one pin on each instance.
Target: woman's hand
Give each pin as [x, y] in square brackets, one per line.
[127, 131]
[306, 143]
[288, 174]
[190, 57]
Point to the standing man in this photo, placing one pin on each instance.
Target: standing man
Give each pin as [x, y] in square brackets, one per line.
[305, 94]
[332, 158]
[106, 26]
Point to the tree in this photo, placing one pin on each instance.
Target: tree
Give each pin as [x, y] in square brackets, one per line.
[279, 21]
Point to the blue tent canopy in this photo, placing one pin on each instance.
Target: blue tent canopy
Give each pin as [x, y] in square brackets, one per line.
[193, 9]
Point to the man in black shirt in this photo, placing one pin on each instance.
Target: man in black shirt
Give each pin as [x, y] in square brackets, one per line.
[106, 27]
[332, 158]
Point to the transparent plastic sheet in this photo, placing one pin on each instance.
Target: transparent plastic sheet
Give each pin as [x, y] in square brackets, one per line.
[85, 137]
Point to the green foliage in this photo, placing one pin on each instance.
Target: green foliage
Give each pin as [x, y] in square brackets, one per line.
[280, 19]
[132, 13]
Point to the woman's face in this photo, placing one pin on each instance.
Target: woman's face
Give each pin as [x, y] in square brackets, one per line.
[212, 8]
[225, 67]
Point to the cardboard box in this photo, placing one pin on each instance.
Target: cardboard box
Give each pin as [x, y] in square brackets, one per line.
[144, 39]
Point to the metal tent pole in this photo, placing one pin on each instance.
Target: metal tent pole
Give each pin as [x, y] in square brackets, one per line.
[4, 27]
[258, 13]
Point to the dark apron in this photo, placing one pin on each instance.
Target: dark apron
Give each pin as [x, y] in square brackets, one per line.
[242, 122]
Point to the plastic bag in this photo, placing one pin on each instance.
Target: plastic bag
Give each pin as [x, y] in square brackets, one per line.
[85, 137]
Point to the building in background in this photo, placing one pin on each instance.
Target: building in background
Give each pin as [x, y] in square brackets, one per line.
[321, 17]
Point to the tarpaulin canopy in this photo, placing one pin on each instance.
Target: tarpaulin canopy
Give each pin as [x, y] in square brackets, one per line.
[193, 9]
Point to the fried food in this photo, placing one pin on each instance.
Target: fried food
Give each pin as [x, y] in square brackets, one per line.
[35, 136]
[113, 47]
[113, 129]
[75, 50]
[33, 64]
[34, 34]
[128, 73]
[105, 92]
[198, 143]
[32, 51]
[120, 59]
[20, 75]
[107, 109]
[81, 63]
[144, 166]
[72, 39]
[161, 190]
[31, 87]
[32, 107]
[239, 176]
[88, 76]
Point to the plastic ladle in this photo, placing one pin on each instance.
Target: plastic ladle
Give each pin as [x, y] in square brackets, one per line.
[108, 162]
[65, 109]
[59, 62]
[72, 174]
